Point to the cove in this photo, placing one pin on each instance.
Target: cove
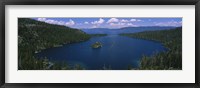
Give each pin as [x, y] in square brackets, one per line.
[117, 52]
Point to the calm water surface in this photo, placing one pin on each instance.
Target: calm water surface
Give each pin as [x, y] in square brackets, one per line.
[117, 52]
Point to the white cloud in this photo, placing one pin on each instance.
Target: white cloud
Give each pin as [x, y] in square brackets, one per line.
[86, 22]
[133, 20]
[97, 23]
[116, 24]
[70, 23]
[79, 24]
[119, 25]
[100, 21]
[113, 20]
[51, 21]
[132, 25]
[112, 24]
[41, 19]
[60, 22]
[123, 20]
[170, 23]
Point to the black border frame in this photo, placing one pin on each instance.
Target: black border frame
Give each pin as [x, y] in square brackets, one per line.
[3, 3]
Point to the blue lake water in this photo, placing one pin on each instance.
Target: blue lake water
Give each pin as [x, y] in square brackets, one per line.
[116, 52]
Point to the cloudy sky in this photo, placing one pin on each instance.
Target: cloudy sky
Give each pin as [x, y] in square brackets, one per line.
[112, 22]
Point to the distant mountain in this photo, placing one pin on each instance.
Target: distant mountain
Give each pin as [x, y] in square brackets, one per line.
[124, 30]
[97, 28]
[146, 27]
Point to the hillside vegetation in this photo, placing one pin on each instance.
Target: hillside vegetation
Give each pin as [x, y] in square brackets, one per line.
[168, 60]
[34, 36]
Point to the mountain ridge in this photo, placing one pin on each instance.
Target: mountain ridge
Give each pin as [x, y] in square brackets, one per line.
[125, 29]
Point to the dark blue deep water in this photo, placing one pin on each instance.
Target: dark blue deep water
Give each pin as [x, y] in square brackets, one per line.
[117, 52]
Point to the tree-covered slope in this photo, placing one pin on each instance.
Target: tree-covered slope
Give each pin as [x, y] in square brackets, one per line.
[34, 36]
[171, 59]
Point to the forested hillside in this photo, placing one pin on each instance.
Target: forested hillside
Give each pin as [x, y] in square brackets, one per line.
[34, 36]
[172, 58]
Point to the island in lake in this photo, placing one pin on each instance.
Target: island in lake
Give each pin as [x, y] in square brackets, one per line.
[100, 43]
[96, 45]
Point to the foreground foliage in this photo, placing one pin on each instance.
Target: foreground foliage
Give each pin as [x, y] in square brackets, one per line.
[168, 60]
[34, 36]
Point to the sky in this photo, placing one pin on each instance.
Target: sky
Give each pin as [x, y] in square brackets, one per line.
[115, 22]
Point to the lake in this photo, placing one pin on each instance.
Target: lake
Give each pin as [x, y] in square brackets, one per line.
[117, 52]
